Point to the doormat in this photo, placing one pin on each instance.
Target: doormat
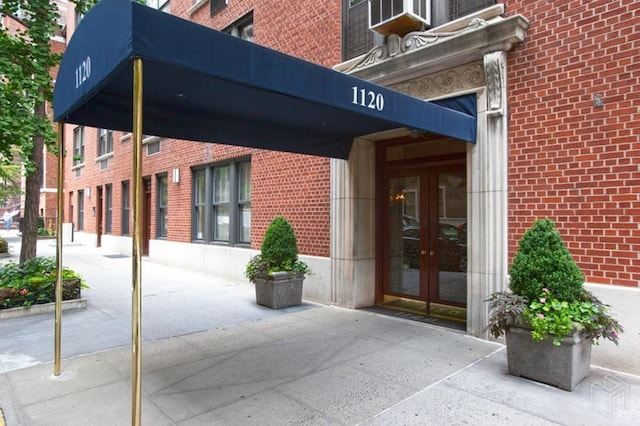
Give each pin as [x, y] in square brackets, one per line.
[115, 256]
[415, 317]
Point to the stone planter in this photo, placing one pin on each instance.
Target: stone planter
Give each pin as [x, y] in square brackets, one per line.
[44, 308]
[282, 291]
[71, 290]
[562, 366]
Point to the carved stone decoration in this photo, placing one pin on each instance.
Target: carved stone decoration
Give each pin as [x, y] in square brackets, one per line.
[377, 54]
[494, 68]
[394, 45]
[414, 40]
[418, 39]
[458, 79]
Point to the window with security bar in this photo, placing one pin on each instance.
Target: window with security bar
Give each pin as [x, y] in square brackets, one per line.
[450, 10]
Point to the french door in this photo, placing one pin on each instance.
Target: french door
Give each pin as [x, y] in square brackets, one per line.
[424, 240]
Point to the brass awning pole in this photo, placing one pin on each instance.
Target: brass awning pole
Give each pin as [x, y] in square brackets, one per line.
[58, 290]
[136, 303]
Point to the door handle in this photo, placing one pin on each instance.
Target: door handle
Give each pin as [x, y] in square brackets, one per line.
[431, 252]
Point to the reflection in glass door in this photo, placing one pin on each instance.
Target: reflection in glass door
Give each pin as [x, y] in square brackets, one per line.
[424, 243]
[452, 238]
[403, 234]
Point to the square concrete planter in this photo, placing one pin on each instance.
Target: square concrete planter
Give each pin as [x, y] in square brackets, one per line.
[562, 366]
[282, 291]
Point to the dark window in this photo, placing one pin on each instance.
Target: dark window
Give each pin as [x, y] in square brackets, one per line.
[222, 203]
[459, 8]
[199, 204]
[244, 202]
[242, 28]
[217, 6]
[450, 10]
[105, 142]
[78, 145]
[80, 223]
[162, 206]
[125, 207]
[153, 147]
[108, 207]
[357, 38]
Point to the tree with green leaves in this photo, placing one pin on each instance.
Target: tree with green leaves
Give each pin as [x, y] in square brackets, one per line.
[26, 63]
[9, 181]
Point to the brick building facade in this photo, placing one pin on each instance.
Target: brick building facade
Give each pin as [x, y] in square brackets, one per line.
[411, 221]
[574, 130]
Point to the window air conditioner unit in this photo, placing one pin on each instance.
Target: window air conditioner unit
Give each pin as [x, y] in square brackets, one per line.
[399, 16]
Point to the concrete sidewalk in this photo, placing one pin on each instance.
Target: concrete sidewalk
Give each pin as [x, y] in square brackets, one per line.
[212, 356]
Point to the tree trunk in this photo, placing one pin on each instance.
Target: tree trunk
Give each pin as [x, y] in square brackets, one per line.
[29, 223]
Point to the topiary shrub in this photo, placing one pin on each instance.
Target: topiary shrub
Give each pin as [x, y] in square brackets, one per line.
[280, 247]
[279, 252]
[544, 262]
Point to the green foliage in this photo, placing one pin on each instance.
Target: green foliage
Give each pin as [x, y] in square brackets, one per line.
[279, 246]
[506, 309]
[279, 252]
[26, 64]
[543, 261]
[10, 178]
[548, 294]
[33, 282]
[549, 316]
[45, 230]
[4, 246]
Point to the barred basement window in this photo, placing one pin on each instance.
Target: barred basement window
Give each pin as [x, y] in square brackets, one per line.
[450, 10]
[459, 8]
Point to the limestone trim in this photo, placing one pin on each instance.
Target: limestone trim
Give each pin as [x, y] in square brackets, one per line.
[396, 45]
[420, 54]
[456, 80]
[495, 69]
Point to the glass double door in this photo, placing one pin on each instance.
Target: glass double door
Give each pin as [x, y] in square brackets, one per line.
[424, 251]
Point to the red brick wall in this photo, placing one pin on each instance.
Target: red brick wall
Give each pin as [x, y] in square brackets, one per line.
[294, 186]
[569, 159]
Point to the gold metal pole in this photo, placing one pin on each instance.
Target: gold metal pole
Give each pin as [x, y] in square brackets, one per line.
[136, 304]
[58, 290]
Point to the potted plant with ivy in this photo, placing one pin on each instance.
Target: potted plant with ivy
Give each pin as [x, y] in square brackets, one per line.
[277, 272]
[549, 319]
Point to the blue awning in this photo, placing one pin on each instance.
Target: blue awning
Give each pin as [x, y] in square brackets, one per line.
[204, 85]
